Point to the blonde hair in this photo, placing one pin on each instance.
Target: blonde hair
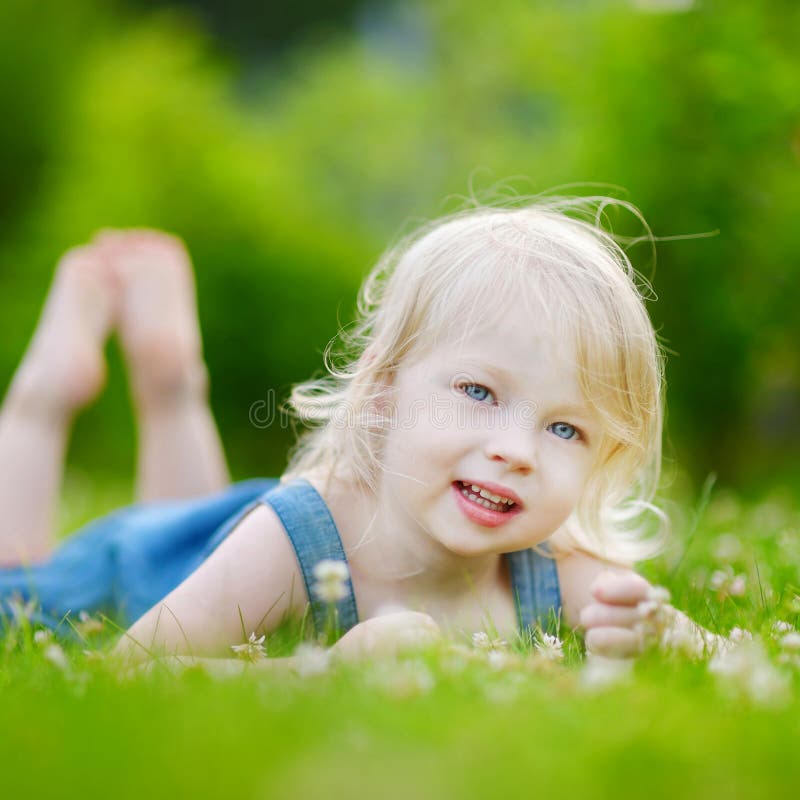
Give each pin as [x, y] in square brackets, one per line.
[454, 273]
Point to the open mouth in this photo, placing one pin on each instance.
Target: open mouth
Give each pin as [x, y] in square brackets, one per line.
[483, 497]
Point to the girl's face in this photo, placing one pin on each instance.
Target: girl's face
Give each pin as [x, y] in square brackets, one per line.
[499, 413]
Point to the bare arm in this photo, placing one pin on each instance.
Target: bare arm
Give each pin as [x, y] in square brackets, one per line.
[251, 579]
[386, 635]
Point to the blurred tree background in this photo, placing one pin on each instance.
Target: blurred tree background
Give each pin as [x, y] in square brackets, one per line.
[287, 146]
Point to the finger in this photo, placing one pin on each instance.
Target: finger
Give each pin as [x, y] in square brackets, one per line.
[627, 589]
[598, 615]
[613, 642]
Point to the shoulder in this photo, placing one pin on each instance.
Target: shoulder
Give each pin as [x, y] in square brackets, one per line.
[577, 570]
[260, 544]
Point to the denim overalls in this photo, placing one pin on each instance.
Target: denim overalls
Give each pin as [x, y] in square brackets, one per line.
[125, 562]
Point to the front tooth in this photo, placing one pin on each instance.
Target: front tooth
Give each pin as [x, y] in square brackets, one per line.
[484, 497]
[487, 495]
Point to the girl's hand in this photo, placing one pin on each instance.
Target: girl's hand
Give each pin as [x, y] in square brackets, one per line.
[611, 622]
[387, 635]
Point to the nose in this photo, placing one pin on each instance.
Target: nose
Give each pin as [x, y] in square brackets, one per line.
[514, 447]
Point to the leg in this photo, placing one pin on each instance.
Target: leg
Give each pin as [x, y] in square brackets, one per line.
[179, 450]
[62, 371]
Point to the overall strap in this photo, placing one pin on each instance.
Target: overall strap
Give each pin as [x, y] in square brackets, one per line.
[534, 582]
[315, 538]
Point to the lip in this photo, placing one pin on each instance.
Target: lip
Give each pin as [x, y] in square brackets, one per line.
[496, 488]
[480, 514]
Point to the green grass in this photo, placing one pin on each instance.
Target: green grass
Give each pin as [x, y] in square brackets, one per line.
[438, 724]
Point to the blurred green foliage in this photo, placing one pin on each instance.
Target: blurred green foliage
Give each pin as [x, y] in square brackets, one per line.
[259, 32]
[288, 181]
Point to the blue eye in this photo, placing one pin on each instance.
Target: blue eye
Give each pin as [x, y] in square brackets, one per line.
[564, 430]
[477, 392]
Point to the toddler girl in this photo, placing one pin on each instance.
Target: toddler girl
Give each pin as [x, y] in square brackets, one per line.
[484, 450]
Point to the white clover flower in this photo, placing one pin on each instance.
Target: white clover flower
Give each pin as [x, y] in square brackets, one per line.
[330, 592]
[648, 609]
[718, 579]
[252, 650]
[88, 625]
[739, 635]
[56, 655]
[330, 570]
[500, 659]
[727, 584]
[21, 610]
[653, 622]
[311, 659]
[654, 616]
[549, 647]
[791, 641]
[747, 670]
[780, 626]
[686, 639]
[331, 576]
[482, 641]
[659, 595]
[42, 636]
[738, 586]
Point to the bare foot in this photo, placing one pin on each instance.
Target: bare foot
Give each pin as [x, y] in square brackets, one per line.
[158, 326]
[64, 368]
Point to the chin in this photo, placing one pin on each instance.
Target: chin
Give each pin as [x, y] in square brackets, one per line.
[470, 547]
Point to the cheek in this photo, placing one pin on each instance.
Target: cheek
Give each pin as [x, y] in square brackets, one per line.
[569, 473]
[425, 452]
[431, 423]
